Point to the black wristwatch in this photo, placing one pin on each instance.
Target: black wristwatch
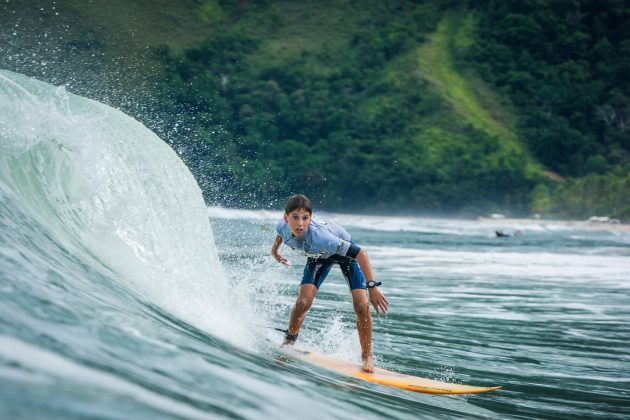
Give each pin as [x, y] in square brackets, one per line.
[371, 284]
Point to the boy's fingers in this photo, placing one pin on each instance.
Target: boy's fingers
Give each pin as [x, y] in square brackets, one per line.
[374, 305]
[379, 307]
[380, 303]
[384, 305]
[283, 260]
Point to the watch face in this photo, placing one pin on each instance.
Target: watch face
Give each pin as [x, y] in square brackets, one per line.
[371, 283]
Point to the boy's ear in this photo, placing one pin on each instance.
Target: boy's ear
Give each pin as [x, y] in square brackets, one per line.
[286, 218]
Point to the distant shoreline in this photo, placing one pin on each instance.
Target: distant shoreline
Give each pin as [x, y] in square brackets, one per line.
[509, 225]
[580, 224]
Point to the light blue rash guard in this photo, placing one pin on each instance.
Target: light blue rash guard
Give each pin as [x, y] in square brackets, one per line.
[321, 240]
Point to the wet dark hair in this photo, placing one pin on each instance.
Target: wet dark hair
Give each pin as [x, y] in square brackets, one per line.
[298, 201]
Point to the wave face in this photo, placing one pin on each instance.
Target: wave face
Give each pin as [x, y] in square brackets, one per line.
[107, 193]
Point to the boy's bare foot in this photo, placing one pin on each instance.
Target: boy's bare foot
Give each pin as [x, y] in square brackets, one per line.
[368, 364]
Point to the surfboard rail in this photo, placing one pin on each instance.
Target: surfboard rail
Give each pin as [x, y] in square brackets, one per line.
[386, 377]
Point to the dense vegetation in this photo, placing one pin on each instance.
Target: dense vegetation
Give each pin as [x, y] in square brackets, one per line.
[357, 123]
[565, 66]
[353, 124]
[468, 106]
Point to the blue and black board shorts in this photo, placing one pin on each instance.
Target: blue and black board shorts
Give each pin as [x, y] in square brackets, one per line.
[317, 269]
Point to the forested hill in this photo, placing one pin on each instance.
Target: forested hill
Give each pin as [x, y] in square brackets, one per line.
[435, 106]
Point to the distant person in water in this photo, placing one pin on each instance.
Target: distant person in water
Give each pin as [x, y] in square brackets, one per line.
[500, 234]
[326, 244]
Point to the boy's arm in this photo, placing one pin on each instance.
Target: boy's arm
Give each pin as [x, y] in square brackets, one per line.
[377, 298]
[274, 251]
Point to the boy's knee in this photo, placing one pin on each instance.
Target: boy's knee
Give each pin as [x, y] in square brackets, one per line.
[361, 307]
[303, 304]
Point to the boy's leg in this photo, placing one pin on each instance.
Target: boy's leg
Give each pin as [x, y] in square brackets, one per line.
[301, 307]
[356, 281]
[315, 273]
[364, 327]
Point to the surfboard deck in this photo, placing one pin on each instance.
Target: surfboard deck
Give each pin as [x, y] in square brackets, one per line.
[386, 377]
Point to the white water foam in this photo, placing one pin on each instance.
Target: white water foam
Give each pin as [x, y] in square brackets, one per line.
[540, 265]
[113, 193]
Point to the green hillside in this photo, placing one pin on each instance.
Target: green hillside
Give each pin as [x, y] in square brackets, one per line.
[347, 104]
[462, 90]
[460, 106]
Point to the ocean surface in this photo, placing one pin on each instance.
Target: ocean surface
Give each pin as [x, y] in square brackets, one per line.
[123, 296]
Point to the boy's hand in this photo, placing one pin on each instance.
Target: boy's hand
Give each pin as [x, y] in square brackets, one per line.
[282, 260]
[378, 301]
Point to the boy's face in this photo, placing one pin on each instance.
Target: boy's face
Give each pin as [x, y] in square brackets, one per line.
[298, 221]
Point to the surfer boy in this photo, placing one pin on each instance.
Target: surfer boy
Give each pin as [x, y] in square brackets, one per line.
[326, 244]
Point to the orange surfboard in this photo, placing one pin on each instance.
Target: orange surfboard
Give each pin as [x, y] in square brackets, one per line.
[386, 377]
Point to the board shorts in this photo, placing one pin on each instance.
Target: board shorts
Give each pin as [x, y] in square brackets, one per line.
[317, 269]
